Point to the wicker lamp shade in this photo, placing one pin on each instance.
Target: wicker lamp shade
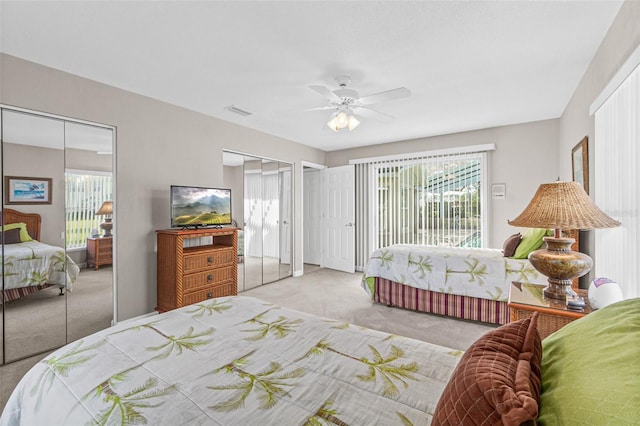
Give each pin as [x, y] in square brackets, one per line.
[106, 209]
[561, 205]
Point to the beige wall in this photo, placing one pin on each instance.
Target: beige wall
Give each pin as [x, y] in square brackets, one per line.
[30, 161]
[523, 158]
[158, 144]
[82, 159]
[621, 40]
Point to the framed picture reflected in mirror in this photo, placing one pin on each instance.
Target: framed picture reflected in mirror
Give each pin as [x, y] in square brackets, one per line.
[27, 190]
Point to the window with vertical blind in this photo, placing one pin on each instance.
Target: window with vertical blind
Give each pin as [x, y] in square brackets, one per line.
[435, 198]
[85, 191]
[616, 160]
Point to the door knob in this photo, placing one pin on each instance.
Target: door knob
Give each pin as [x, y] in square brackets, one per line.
[349, 224]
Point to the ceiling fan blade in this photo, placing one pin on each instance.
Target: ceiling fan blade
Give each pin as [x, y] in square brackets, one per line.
[319, 108]
[324, 91]
[371, 113]
[389, 95]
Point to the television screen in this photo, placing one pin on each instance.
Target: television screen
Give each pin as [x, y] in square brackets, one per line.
[197, 206]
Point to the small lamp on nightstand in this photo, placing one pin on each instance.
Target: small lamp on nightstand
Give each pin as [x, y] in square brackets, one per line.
[561, 205]
[106, 209]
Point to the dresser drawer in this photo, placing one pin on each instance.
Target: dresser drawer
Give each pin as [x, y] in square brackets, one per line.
[225, 289]
[207, 278]
[206, 259]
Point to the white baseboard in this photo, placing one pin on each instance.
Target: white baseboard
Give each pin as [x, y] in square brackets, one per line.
[150, 314]
[298, 273]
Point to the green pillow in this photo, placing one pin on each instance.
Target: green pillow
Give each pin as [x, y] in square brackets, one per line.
[24, 234]
[531, 240]
[591, 369]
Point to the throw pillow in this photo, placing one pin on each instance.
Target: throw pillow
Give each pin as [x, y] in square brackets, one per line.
[497, 381]
[12, 236]
[510, 245]
[590, 369]
[24, 234]
[531, 240]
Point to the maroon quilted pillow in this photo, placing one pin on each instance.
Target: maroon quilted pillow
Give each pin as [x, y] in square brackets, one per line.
[497, 381]
[511, 244]
[12, 236]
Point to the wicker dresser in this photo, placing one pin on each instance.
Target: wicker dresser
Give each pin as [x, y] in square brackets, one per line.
[195, 265]
[525, 299]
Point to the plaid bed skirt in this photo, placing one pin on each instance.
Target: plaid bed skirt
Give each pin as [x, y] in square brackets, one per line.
[471, 308]
[17, 293]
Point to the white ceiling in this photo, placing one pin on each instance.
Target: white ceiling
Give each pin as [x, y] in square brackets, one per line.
[468, 64]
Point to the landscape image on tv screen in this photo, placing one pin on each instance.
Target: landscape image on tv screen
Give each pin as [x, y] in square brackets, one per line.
[195, 206]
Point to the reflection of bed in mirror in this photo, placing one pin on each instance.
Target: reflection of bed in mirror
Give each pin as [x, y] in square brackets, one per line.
[31, 266]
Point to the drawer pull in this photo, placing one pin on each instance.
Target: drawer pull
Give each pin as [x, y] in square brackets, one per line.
[209, 295]
[210, 259]
[209, 277]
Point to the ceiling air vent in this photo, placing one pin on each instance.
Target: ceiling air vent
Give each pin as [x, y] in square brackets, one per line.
[238, 111]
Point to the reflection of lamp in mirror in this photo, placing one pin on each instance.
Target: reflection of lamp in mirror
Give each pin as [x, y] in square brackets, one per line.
[106, 209]
[561, 205]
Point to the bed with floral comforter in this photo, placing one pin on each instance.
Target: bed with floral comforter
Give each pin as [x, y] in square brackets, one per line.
[35, 264]
[235, 360]
[468, 283]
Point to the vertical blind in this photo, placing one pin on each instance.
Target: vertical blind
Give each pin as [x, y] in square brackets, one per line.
[85, 191]
[420, 199]
[617, 155]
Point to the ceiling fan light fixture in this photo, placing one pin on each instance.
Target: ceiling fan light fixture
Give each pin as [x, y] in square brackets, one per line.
[353, 122]
[333, 125]
[342, 120]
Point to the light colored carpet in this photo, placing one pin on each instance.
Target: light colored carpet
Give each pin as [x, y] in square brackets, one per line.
[36, 323]
[338, 295]
[323, 292]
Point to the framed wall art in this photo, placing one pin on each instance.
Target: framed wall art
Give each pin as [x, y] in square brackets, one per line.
[580, 163]
[27, 190]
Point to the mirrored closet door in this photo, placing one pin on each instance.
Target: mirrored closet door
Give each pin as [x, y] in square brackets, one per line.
[262, 208]
[56, 174]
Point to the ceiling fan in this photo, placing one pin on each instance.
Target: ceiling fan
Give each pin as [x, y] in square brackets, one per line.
[347, 103]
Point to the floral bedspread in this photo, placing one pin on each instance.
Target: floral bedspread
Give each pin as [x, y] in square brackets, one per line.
[235, 361]
[481, 273]
[34, 263]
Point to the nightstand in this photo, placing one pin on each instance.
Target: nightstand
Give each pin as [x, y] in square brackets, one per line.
[99, 251]
[525, 299]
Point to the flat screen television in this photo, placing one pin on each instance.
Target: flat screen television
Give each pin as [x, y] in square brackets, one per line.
[194, 206]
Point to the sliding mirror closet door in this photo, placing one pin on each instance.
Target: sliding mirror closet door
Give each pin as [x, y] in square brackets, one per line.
[57, 180]
[270, 221]
[253, 214]
[285, 174]
[34, 281]
[89, 218]
[262, 190]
